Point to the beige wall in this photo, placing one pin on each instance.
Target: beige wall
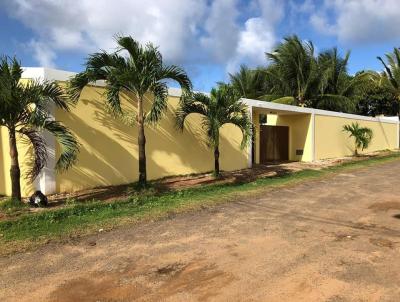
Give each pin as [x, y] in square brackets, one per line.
[109, 147]
[331, 141]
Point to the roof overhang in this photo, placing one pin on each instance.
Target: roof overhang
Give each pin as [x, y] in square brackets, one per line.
[283, 109]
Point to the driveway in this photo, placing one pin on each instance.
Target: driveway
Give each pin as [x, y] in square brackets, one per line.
[332, 239]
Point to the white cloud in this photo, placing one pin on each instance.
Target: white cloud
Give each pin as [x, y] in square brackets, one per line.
[189, 32]
[88, 25]
[222, 30]
[42, 53]
[256, 38]
[359, 21]
[258, 35]
[320, 23]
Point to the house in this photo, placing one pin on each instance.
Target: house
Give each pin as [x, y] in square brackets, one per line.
[108, 154]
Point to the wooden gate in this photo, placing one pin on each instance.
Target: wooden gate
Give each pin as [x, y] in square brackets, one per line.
[274, 143]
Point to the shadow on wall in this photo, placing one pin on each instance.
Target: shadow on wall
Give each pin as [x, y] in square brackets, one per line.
[109, 151]
[232, 156]
[104, 158]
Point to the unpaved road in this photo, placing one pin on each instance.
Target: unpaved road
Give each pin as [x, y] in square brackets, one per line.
[333, 239]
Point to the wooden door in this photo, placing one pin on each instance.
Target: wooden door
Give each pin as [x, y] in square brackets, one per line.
[274, 143]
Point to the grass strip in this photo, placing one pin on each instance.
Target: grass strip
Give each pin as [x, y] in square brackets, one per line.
[83, 218]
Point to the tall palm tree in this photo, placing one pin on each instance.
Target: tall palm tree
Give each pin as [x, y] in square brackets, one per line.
[337, 89]
[295, 71]
[249, 83]
[391, 74]
[140, 72]
[24, 111]
[362, 136]
[221, 107]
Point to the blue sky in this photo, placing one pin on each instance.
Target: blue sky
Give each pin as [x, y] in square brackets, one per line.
[208, 38]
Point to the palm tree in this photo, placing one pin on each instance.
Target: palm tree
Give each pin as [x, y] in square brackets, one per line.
[140, 72]
[362, 136]
[249, 83]
[294, 70]
[337, 89]
[297, 77]
[391, 74]
[24, 111]
[221, 107]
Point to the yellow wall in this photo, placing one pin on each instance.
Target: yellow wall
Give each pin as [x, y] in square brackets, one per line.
[300, 133]
[4, 162]
[24, 157]
[331, 141]
[108, 154]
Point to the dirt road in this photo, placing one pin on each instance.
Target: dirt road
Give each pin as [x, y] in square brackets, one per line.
[333, 239]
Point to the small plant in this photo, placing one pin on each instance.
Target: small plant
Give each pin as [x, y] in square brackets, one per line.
[362, 136]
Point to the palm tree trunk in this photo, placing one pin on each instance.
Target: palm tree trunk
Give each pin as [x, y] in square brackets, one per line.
[15, 172]
[141, 144]
[216, 161]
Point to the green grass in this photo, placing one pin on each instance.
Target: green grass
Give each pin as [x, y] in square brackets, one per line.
[12, 206]
[82, 218]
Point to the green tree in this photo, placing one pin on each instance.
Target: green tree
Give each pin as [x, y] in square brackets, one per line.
[374, 98]
[391, 73]
[298, 77]
[24, 111]
[294, 71]
[336, 88]
[249, 83]
[221, 107]
[362, 136]
[139, 72]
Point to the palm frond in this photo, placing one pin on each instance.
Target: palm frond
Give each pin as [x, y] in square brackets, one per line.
[176, 74]
[68, 144]
[39, 151]
[159, 105]
[191, 103]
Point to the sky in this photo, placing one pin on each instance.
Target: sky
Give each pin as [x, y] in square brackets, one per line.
[208, 38]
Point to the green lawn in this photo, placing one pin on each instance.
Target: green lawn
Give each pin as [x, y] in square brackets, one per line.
[29, 229]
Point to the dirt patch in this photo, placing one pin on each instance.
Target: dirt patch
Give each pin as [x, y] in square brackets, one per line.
[128, 285]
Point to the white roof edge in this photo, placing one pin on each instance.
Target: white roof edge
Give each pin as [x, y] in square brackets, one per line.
[290, 108]
[51, 74]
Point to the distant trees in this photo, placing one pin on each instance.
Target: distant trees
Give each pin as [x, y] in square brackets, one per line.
[296, 75]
